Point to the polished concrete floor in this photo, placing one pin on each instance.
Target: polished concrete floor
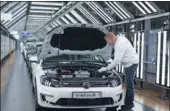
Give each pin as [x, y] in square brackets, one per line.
[17, 91]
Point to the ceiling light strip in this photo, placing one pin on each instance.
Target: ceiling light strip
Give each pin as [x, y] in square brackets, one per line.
[122, 10]
[71, 18]
[114, 10]
[21, 13]
[65, 20]
[144, 7]
[143, 12]
[19, 16]
[87, 15]
[42, 16]
[113, 5]
[20, 9]
[97, 11]
[106, 15]
[100, 13]
[55, 23]
[48, 3]
[78, 17]
[44, 8]
[37, 11]
[150, 6]
[92, 17]
[58, 22]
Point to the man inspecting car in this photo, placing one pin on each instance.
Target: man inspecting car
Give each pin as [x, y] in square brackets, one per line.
[124, 53]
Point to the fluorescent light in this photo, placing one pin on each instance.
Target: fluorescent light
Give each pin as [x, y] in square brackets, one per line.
[48, 3]
[24, 18]
[142, 56]
[158, 58]
[164, 56]
[122, 69]
[9, 7]
[55, 23]
[52, 25]
[71, 18]
[138, 46]
[21, 13]
[118, 10]
[104, 13]
[65, 20]
[119, 67]
[150, 6]
[144, 7]
[41, 11]
[114, 10]
[139, 7]
[7, 25]
[33, 24]
[48, 28]
[21, 9]
[168, 81]
[122, 10]
[44, 8]
[89, 15]
[134, 42]
[58, 22]
[82, 20]
[97, 11]
[37, 19]
[45, 16]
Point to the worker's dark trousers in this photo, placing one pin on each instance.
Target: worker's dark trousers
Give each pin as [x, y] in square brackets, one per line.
[129, 80]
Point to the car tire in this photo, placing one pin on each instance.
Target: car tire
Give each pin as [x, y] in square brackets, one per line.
[111, 109]
[38, 107]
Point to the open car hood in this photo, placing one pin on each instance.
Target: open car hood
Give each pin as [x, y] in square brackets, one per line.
[76, 39]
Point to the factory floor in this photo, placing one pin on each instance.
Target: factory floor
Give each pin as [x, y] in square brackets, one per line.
[16, 90]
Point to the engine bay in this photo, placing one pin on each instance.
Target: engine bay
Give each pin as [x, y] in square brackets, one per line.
[76, 72]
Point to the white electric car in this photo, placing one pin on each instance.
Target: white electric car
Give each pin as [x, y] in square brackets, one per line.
[66, 73]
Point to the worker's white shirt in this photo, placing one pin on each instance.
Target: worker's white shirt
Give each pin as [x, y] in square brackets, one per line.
[124, 53]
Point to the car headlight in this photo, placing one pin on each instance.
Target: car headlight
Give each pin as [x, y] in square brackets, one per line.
[50, 81]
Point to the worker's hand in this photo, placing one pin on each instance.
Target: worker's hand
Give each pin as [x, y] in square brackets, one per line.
[110, 61]
[102, 69]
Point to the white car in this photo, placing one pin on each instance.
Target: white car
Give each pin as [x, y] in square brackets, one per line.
[67, 76]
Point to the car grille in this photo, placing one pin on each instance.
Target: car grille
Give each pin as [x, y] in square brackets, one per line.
[94, 82]
[84, 102]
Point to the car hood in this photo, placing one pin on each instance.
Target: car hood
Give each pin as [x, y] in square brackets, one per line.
[76, 39]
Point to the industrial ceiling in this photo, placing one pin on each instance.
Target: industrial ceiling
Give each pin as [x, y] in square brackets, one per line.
[44, 16]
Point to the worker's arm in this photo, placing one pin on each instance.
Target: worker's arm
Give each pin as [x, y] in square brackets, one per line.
[119, 53]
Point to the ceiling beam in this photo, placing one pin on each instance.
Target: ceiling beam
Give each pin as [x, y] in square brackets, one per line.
[139, 19]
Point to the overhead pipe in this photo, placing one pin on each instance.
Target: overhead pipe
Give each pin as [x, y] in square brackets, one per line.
[139, 19]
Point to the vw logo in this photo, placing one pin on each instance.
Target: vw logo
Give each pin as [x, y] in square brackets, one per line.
[86, 84]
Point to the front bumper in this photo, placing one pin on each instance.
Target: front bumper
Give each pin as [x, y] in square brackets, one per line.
[62, 97]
